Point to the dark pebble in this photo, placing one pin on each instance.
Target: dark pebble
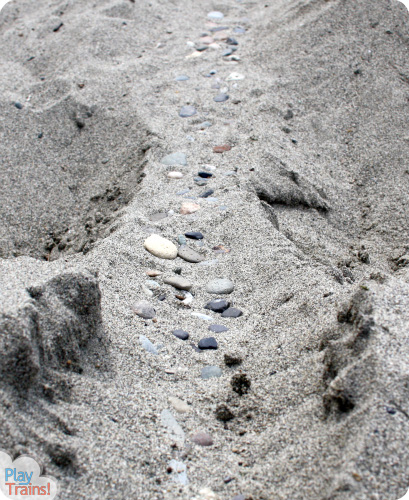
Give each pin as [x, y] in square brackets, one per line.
[40, 135]
[181, 334]
[289, 115]
[162, 297]
[223, 413]
[194, 235]
[232, 41]
[240, 383]
[208, 343]
[231, 312]
[60, 25]
[220, 98]
[205, 175]
[18, 105]
[232, 360]
[218, 305]
[201, 48]
[227, 52]
[218, 328]
[391, 411]
[207, 193]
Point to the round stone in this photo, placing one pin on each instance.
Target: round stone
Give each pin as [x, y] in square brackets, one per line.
[215, 15]
[175, 175]
[189, 207]
[210, 372]
[208, 343]
[178, 282]
[231, 312]
[180, 334]
[218, 328]
[218, 305]
[175, 159]
[220, 98]
[190, 255]
[160, 247]
[205, 175]
[144, 310]
[220, 286]
[202, 439]
[194, 235]
[187, 111]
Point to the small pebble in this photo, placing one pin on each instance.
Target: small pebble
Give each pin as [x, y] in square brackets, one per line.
[220, 98]
[152, 285]
[217, 305]
[220, 286]
[189, 208]
[232, 41]
[182, 240]
[221, 249]
[153, 273]
[160, 247]
[179, 405]
[205, 175]
[218, 28]
[190, 255]
[202, 316]
[207, 40]
[147, 344]
[187, 111]
[174, 159]
[210, 372]
[202, 439]
[204, 125]
[239, 30]
[194, 235]
[162, 297]
[181, 193]
[144, 310]
[180, 334]
[175, 175]
[181, 78]
[201, 48]
[239, 497]
[207, 193]
[178, 282]
[178, 471]
[222, 149]
[208, 343]
[18, 105]
[218, 328]
[231, 312]
[225, 53]
[215, 15]
[158, 216]
[173, 427]
[234, 77]
[200, 181]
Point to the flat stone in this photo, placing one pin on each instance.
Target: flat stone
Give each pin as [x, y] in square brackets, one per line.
[189, 208]
[231, 312]
[222, 149]
[204, 317]
[218, 328]
[220, 98]
[178, 282]
[181, 78]
[207, 193]
[147, 344]
[181, 334]
[204, 125]
[202, 48]
[205, 175]
[158, 216]
[218, 305]
[144, 310]
[175, 175]
[152, 285]
[190, 255]
[153, 273]
[182, 240]
[179, 405]
[208, 343]
[232, 41]
[200, 182]
[174, 159]
[160, 247]
[239, 30]
[207, 40]
[187, 111]
[194, 235]
[225, 53]
[215, 15]
[218, 28]
[202, 439]
[210, 372]
[220, 286]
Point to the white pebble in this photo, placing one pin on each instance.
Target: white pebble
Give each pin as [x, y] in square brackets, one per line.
[160, 247]
[175, 175]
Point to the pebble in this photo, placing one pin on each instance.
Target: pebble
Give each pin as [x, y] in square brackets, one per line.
[218, 328]
[152, 273]
[144, 310]
[207, 343]
[201, 48]
[187, 111]
[215, 15]
[239, 30]
[181, 334]
[234, 77]
[162, 297]
[174, 159]
[213, 262]
[205, 175]
[189, 208]
[202, 439]
[18, 105]
[158, 216]
[232, 41]
[179, 405]
[207, 193]
[184, 191]
[239, 497]
[194, 235]
[147, 344]
[178, 471]
[227, 52]
[210, 372]
[188, 299]
[182, 240]
[175, 175]
[209, 168]
[217, 305]
[204, 125]
[181, 78]
[152, 285]
[160, 247]
[190, 255]
[200, 182]
[231, 312]
[220, 98]
[174, 429]
[207, 40]
[221, 249]
[222, 149]
[202, 316]
[219, 28]
[220, 286]
[178, 282]
[146, 291]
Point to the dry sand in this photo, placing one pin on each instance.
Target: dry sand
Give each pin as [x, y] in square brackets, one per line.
[312, 201]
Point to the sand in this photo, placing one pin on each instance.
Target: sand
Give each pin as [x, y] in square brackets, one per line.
[311, 212]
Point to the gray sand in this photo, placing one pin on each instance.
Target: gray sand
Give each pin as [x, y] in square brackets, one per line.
[311, 201]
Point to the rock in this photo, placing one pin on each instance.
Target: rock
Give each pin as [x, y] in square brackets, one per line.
[175, 159]
[18, 105]
[202, 439]
[208, 343]
[181, 78]
[218, 328]
[162, 297]
[157, 217]
[201, 48]
[220, 286]
[175, 430]
[144, 310]
[240, 383]
[207, 193]
[152, 285]
[200, 182]
[178, 282]
[188, 299]
[181, 334]
[219, 28]
[190, 255]
[218, 305]
[232, 41]
[223, 413]
[232, 360]
[147, 344]
[178, 471]
[221, 249]
[179, 405]
[215, 15]
[205, 175]
[204, 125]
[184, 191]
[187, 111]
[207, 40]
[231, 312]
[189, 208]
[182, 240]
[222, 149]
[225, 53]
[220, 98]
[153, 273]
[194, 235]
[202, 316]
[239, 30]
[210, 372]
[234, 77]
[175, 175]
[160, 247]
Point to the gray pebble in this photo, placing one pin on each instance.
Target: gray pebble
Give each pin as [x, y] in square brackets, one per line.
[144, 310]
[189, 254]
[184, 191]
[231, 312]
[208, 343]
[194, 235]
[239, 30]
[204, 125]
[211, 371]
[181, 78]
[200, 182]
[202, 439]
[182, 240]
[180, 334]
[218, 305]
[178, 282]
[220, 98]
[147, 344]
[220, 286]
[207, 193]
[187, 111]
[218, 328]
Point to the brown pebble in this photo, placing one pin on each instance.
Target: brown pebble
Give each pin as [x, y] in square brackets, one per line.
[222, 149]
[154, 320]
[221, 249]
[189, 208]
[202, 439]
[152, 273]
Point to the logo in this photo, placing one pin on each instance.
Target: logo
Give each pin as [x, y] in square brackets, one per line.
[22, 479]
